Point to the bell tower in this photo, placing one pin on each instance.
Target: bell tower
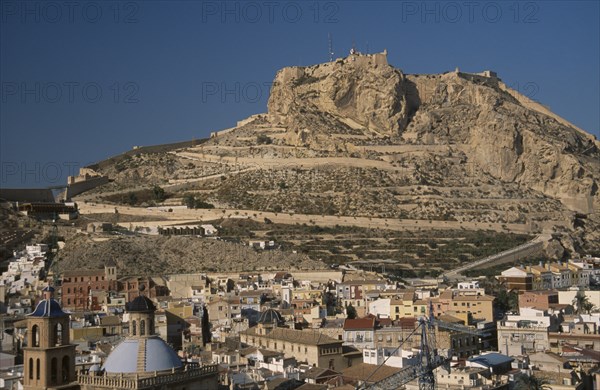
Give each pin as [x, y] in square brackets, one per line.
[48, 359]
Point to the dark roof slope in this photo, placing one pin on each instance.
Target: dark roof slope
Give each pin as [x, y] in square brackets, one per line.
[141, 304]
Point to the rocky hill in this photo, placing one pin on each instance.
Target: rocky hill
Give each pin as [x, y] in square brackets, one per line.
[357, 137]
[157, 255]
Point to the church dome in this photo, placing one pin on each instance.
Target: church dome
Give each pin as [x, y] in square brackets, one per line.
[129, 356]
[270, 317]
[48, 307]
[141, 304]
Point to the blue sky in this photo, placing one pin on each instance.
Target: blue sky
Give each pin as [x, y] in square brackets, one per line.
[84, 80]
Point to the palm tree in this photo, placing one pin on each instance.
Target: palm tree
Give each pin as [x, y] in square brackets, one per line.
[582, 302]
[532, 382]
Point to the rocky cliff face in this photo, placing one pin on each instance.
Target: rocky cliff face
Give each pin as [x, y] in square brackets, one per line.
[322, 99]
[499, 130]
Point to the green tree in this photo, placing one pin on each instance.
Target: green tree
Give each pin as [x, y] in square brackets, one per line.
[532, 382]
[507, 300]
[189, 200]
[159, 193]
[582, 303]
[206, 334]
[132, 198]
[351, 312]
[263, 139]
[230, 285]
[200, 204]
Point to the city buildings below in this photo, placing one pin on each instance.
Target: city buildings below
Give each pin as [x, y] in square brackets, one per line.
[274, 328]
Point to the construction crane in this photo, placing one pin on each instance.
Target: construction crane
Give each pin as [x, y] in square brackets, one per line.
[428, 361]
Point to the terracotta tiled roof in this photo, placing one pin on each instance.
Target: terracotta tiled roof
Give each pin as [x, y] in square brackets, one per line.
[362, 371]
[359, 323]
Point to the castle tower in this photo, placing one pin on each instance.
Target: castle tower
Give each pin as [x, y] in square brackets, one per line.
[49, 359]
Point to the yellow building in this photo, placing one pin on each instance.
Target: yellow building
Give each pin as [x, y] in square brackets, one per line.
[308, 346]
[402, 306]
[479, 307]
[316, 295]
[180, 309]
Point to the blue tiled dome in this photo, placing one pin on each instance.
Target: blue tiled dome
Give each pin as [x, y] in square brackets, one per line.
[48, 307]
[158, 356]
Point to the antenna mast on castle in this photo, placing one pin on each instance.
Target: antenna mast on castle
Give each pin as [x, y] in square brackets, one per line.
[330, 47]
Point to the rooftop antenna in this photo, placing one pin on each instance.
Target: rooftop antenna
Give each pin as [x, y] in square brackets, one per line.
[330, 47]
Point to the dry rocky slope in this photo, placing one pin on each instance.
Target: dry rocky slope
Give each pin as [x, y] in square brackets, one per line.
[154, 255]
[357, 137]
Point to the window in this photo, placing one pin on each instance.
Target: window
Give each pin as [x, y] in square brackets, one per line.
[53, 370]
[37, 369]
[142, 328]
[35, 336]
[58, 334]
[30, 368]
[134, 328]
[65, 369]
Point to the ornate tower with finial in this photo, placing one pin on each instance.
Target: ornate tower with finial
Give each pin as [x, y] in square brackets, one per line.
[49, 358]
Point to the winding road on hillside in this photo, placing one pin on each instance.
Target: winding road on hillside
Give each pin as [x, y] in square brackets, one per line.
[529, 248]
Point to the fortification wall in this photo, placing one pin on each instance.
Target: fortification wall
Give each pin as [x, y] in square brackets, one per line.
[290, 73]
[82, 186]
[376, 59]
